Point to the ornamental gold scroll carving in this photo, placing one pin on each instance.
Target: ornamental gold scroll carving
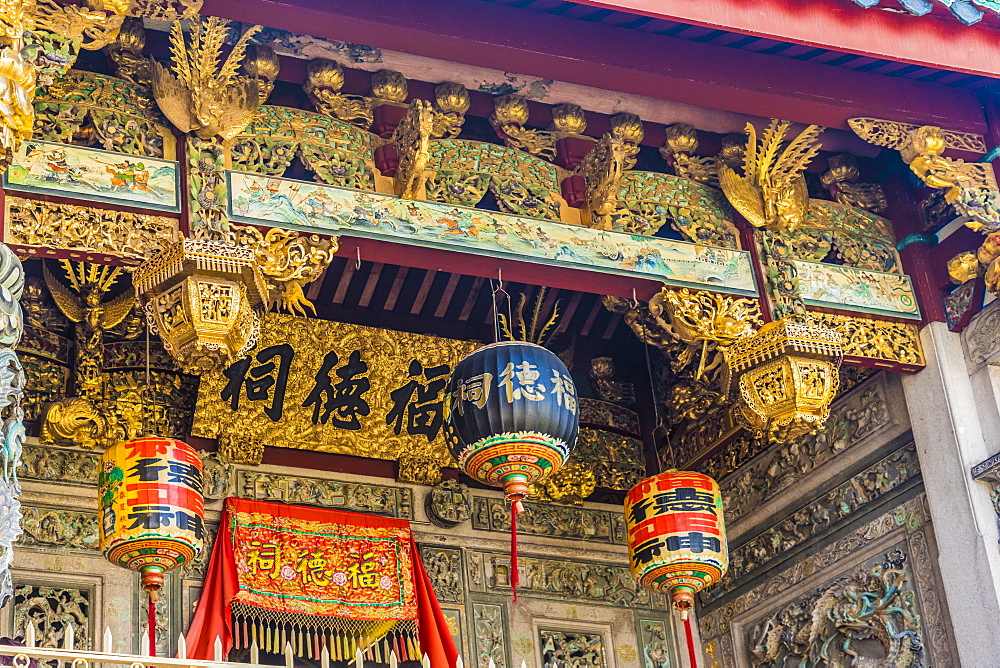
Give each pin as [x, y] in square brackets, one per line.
[604, 167]
[89, 108]
[131, 236]
[970, 187]
[678, 150]
[510, 113]
[332, 387]
[288, 261]
[841, 177]
[211, 100]
[49, 28]
[412, 138]
[878, 342]
[771, 192]
[324, 79]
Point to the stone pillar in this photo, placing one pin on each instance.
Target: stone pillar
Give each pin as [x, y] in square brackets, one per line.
[948, 417]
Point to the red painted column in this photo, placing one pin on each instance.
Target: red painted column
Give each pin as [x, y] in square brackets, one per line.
[915, 256]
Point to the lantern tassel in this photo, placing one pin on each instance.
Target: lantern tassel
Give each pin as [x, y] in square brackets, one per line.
[692, 655]
[151, 620]
[514, 573]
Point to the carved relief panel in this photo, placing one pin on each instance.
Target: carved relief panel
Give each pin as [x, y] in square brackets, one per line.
[52, 610]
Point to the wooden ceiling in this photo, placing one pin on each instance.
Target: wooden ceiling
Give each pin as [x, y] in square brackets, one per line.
[733, 40]
[450, 304]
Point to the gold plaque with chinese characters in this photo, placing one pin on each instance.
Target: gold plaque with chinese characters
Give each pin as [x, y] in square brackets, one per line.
[332, 387]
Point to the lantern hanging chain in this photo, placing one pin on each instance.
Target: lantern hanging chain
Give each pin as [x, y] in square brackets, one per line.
[497, 289]
[148, 389]
[649, 371]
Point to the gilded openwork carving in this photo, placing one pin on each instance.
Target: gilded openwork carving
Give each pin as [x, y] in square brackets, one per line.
[132, 236]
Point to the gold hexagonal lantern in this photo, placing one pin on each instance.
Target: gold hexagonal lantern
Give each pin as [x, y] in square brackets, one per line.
[787, 376]
[202, 299]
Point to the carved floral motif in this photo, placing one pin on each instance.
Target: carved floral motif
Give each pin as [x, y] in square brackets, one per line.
[51, 609]
[852, 419]
[550, 521]
[815, 518]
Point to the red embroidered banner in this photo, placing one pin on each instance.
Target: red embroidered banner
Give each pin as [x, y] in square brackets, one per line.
[303, 568]
[299, 560]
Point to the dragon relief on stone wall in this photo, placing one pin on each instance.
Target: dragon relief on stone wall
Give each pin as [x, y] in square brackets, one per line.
[865, 619]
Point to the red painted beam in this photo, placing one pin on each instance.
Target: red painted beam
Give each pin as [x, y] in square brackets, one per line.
[616, 59]
[484, 266]
[930, 41]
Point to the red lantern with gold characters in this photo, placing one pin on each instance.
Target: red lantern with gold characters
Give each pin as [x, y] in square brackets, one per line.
[677, 537]
[151, 509]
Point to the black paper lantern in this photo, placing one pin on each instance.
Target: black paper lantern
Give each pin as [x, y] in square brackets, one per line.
[511, 417]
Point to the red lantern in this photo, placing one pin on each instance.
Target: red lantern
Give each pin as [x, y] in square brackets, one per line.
[151, 510]
[677, 537]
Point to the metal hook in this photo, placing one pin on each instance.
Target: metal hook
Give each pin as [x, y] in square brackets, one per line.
[357, 265]
[635, 300]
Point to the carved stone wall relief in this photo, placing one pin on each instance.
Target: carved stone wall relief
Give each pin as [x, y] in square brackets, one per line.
[572, 649]
[488, 630]
[830, 625]
[852, 419]
[814, 519]
[551, 521]
[444, 567]
[51, 609]
[370, 498]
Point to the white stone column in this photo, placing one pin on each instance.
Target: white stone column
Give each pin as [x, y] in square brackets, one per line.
[945, 413]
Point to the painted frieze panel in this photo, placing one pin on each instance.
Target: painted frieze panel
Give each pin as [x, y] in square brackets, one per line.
[550, 520]
[850, 288]
[94, 175]
[361, 497]
[254, 198]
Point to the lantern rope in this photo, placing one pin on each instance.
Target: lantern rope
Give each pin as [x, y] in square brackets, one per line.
[514, 574]
[656, 404]
[151, 622]
[692, 655]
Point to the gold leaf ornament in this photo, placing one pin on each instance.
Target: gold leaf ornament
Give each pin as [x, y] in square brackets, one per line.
[201, 92]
